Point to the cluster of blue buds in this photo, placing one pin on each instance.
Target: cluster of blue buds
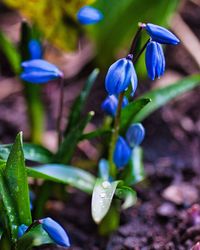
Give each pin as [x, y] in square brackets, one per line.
[54, 230]
[89, 15]
[155, 60]
[123, 148]
[109, 105]
[120, 75]
[39, 71]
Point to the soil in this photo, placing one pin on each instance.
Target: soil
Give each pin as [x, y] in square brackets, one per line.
[167, 214]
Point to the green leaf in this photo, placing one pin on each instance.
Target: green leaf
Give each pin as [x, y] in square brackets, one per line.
[14, 189]
[32, 152]
[73, 176]
[111, 221]
[128, 195]
[101, 198]
[79, 103]
[16, 179]
[131, 110]
[134, 171]
[96, 133]
[161, 96]
[37, 236]
[70, 141]
[11, 218]
[11, 53]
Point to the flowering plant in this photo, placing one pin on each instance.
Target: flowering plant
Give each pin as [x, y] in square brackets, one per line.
[119, 167]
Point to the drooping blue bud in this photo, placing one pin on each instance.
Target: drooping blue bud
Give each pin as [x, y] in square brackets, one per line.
[21, 230]
[109, 105]
[155, 60]
[120, 75]
[89, 15]
[161, 35]
[135, 134]
[35, 49]
[122, 153]
[55, 231]
[39, 71]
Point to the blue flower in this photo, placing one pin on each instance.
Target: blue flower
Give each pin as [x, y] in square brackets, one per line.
[122, 153]
[120, 75]
[155, 60]
[161, 35]
[89, 15]
[35, 49]
[55, 231]
[135, 134]
[109, 105]
[39, 71]
[21, 230]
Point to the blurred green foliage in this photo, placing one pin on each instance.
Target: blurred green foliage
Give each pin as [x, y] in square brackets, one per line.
[116, 30]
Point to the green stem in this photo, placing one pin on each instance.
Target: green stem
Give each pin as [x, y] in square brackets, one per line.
[35, 112]
[60, 111]
[116, 127]
[115, 134]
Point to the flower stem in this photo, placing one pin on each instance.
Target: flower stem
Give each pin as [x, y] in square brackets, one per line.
[116, 127]
[141, 51]
[114, 137]
[135, 39]
[60, 111]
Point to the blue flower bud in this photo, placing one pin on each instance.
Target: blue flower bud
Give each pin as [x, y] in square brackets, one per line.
[89, 15]
[55, 231]
[35, 49]
[135, 134]
[103, 169]
[39, 71]
[119, 76]
[21, 230]
[122, 153]
[109, 105]
[161, 35]
[155, 60]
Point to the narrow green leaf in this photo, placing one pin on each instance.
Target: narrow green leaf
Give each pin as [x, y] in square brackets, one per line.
[80, 101]
[70, 141]
[101, 198]
[32, 152]
[73, 176]
[96, 133]
[131, 110]
[11, 53]
[134, 172]
[37, 236]
[161, 96]
[128, 195]
[16, 179]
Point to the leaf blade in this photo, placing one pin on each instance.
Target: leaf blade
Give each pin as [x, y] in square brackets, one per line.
[162, 96]
[130, 111]
[102, 196]
[16, 177]
[64, 174]
[80, 101]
